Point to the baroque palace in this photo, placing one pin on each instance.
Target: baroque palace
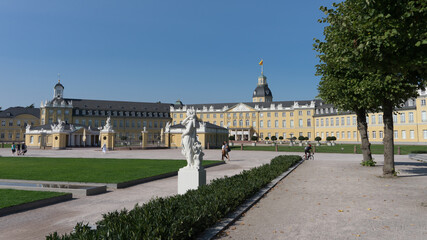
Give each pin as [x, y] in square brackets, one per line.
[82, 120]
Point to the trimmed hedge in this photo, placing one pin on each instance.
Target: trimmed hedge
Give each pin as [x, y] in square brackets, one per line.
[184, 216]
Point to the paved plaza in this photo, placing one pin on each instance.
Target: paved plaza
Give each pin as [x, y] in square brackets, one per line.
[332, 197]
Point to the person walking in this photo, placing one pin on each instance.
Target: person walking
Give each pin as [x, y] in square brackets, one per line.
[224, 151]
[24, 149]
[13, 149]
[18, 151]
[104, 148]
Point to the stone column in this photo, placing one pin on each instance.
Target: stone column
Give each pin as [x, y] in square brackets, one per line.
[144, 135]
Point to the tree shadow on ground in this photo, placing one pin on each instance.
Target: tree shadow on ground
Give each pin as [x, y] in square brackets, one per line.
[419, 169]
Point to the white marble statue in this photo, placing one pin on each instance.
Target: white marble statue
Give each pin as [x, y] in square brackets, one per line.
[167, 127]
[108, 126]
[58, 127]
[190, 145]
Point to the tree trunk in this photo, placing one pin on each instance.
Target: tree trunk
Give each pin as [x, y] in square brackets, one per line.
[362, 127]
[388, 168]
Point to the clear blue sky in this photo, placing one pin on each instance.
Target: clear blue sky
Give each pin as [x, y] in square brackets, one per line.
[199, 51]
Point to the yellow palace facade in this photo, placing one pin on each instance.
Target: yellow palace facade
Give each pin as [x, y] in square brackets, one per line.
[264, 117]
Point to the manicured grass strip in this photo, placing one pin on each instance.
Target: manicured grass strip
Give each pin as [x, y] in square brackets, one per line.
[184, 216]
[339, 148]
[7, 145]
[96, 170]
[11, 197]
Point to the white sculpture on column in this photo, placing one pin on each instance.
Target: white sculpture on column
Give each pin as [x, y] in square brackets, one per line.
[193, 175]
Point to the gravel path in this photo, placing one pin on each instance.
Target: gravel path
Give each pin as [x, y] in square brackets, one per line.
[334, 197]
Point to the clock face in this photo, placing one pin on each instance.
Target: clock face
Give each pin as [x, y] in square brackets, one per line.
[254, 92]
[267, 92]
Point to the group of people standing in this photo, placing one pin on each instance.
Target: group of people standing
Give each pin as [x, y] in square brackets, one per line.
[19, 149]
[225, 150]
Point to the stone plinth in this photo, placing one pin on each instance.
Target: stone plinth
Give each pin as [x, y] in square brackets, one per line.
[190, 178]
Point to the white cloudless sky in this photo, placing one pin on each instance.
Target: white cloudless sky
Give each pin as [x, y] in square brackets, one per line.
[198, 51]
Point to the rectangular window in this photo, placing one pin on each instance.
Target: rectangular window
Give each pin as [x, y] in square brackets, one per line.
[354, 134]
[367, 119]
[96, 123]
[348, 121]
[425, 134]
[338, 135]
[321, 122]
[403, 134]
[261, 124]
[150, 124]
[155, 124]
[284, 123]
[423, 116]
[276, 114]
[374, 134]
[268, 114]
[343, 134]
[354, 121]
[89, 122]
[402, 118]
[253, 124]
[300, 122]
[396, 134]
[327, 122]
[276, 123]
[348, 134]
[373, 119]
[395, 118]
[423, 102]
[292, 123]
[10, 135]
[308, 113]
[127, 123]
[18, 123]
[133, 123]
[2, 135]
[291, 114]
[268, 123]
[221, 123]
[332, 122]
[309, 122]
[411, 134]
[381, 134]
[10, 123]
[380, 119]
[411, 117]
[300, 113]
[284, 135]
[342, 121]
[121, 123]
[84, 122]
[261, 115]
[317, 122]
[309, 133]
[283, 114]
[337, 121]
[3, 123]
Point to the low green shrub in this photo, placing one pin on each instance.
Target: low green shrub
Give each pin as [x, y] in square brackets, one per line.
[183, 216]
[369, 163]
[419, 151]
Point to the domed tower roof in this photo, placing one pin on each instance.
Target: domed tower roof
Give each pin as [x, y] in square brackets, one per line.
[59, 84]
[262, 92]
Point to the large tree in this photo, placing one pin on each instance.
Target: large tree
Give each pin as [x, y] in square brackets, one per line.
[390, 46]
[343, 82]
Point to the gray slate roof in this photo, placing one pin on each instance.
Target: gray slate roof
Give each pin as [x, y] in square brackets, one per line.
[118, 105]
[16, 111]
[252, 104]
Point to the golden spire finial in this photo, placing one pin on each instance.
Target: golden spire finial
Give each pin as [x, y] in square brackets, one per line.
[59, 80]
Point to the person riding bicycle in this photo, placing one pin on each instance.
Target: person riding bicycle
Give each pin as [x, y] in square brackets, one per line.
[308, 149]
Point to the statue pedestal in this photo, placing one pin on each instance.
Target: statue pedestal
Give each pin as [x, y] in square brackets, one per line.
[190, 178]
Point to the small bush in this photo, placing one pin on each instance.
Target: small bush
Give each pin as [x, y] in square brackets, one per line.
[232, 138]
[273, 138]
[281, 138]
[183, 216]
[267, 138]
[254, 138]
[318, 139]
[369, 163]
[419, 151]
[301, 138]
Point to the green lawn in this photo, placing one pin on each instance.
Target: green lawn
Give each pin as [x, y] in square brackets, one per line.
[339, 148]
[6, 145]
[11, 197]
[85, 169]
